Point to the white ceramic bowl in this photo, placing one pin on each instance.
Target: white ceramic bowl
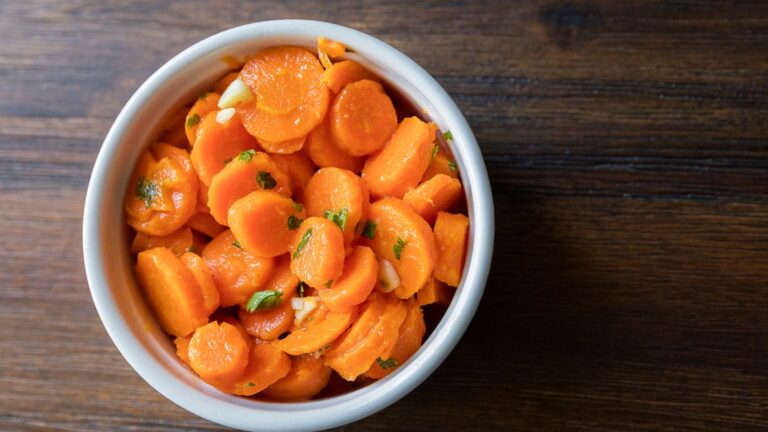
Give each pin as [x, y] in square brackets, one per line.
[116, 295]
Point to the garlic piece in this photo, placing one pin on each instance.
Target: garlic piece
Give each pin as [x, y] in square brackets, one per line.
[235, 93]
[223, 116]
[388, 278]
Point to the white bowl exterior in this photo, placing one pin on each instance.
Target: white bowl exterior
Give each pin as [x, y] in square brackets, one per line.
[118, 301]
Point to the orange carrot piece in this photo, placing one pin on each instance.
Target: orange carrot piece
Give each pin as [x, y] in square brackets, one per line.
[308, 376]
[206, 224]
[331, 47]
[370, 312]
[434, 195]
[345, 72]
[224, 82]
[247, 172]
[264, 222]
[399, 166]
[317, 252]
[236, 273]
[203, 106]
[178, 241]
[356, 282]
[409, 339]
[335, 191]
[283, 147]
[182, 348]
[299, 168]
[218, 353]
[404, 239]
[316, 334]
[269, 324]
[202, 198]
[324, 152]
[428, 294]
[266, 365]
[222, 316]
[217, 144]
[441, 164]
[171, 290]
[362, 118]
[204, 280]
[451, 231]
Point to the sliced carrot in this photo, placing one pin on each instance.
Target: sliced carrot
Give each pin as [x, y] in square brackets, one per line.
[225, 81]
[206, 224]
[441, 164]
[331, 47]
[270, 323]
[283, 147]
[204, 280]
[318, 333]
[178, 241]
[290, 99]
[409, 339]
[182, 348]
[217, 144]
[355, 283]
[202, 198]
[264, 222]
[317, 252]
[434, 291]
[247, 172]
[404, 239]
[204, 105]
[434, 195]
[266, 365]
[223, 316]
[341, 195]
[299, 168]
[218, 353]
[345, 72]
[308, 376]
[451, 231]
[369, 314]
[324, 152]
[362, 118]
[399, 166]
[171, 290]
[236, 273]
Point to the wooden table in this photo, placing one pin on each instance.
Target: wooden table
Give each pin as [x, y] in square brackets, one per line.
[627, 144]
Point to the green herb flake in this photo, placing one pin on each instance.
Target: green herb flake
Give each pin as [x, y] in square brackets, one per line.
[386, 364]
[146, 190]
[247, 155]
[339, 218]
[294, 222]
[300, 289]
[303, 242]
[265, 180]
[250, 384]
[298, 206]
[435, 150]
[370, 230]
[193, 120]
[452, 166]
[227, 160]
[203, 95]
[398, 247]
[263, 300]
[237, 244]
[448, 136]
[329, 283]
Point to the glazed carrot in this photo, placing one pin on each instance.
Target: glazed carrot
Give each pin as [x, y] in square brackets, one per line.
[268, 324]
[451, 232]
[362, 118]
[299, 168]
[308, 376]
[429, 293]
[441, 164]
[402, 162]
[434, 195]
[340, 195]
[217, 144]
[178, 241]
[317, 252]
[204, 105]
[290, 99]
[264, 222]
[377, 344]
[370, 312]
[324, 152]
[344, 72]
[283, 147]
[161, 195]
[218, 353]
[409, 338]
[266, 365]
[315, 334]
[202, 276]
[331, 47]
[171, 290]
[247, 172]
[222, 316]
[224, 82]
[236, 273]
[182, 348]
[202, 197]
[206, 224]
[404, 239]
[355, 283]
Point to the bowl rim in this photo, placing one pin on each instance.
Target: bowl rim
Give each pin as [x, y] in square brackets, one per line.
[331, 412]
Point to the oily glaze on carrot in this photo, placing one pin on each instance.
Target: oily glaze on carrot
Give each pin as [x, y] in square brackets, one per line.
[345, 72]
[362, 118]
[217, 144]
[355, 283]
[206, 224]
[409, 339]
[307, 377]
[317, 252]
[204, 105]
[434, 195]
[283, 147]
[270, 323]
[324, 152]
[265, 222]
[178, 241]
[204, 280]
[451, 232]
[399, 166]
[266, 365]
[218, 353]
[314, 335]
[299, 168]
[342, 193]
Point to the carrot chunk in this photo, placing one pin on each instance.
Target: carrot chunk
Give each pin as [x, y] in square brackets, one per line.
[362, 118]
[204, 280]
[308, 375]
[409, 338]
[341, 196]
[345, 72]
[441, 163]
[314, 334]
[299, 168]
[451, 232]
[182, 348]
[264, 222]
[268, 324]
[218, 353]
[283, 147]
[178, 241]
[324, 152]
[217, 144]
[317, 252]
[206, 224]
[434, 195]
[331, 47]
[355, 283]
[266, 365]
[204, 105]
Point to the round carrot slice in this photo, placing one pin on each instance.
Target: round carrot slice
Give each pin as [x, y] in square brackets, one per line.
[236, 273]
[283, 147]
[339, 195]
[205, 104]
[370, 311]
[402, 162]
[345, 72]
[325, 153]
[434, 195]
[441, 164]
[218, 352]
[247, 172]
[178, 241]
[317, 252]
[451, 232]
[355, 283]
[299, 168]
[404, 239]
[217, 144]
[307, 377]
[316, 334]
[266, 365]
[408, 342]
[270, 323]
[202, 276]
[222, 316]
[362, 118]
[171, 290]
[264, 222]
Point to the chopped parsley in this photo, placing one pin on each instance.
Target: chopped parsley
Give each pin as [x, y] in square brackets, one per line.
[193, 120]
[262, 300]
[298, 206]
[339, 218]
[265, 180]
[294, 222]
[398, 247]
[146, 190]
[435, 149]
[452, 166]
[247, 155]
[303, 242]
[448, 135]
[369, 230]
[386, 364]
[237, 244]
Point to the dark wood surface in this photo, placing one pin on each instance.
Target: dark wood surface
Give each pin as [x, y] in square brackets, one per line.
[627, 144]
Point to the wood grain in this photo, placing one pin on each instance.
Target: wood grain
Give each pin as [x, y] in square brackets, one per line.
[627, 145]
